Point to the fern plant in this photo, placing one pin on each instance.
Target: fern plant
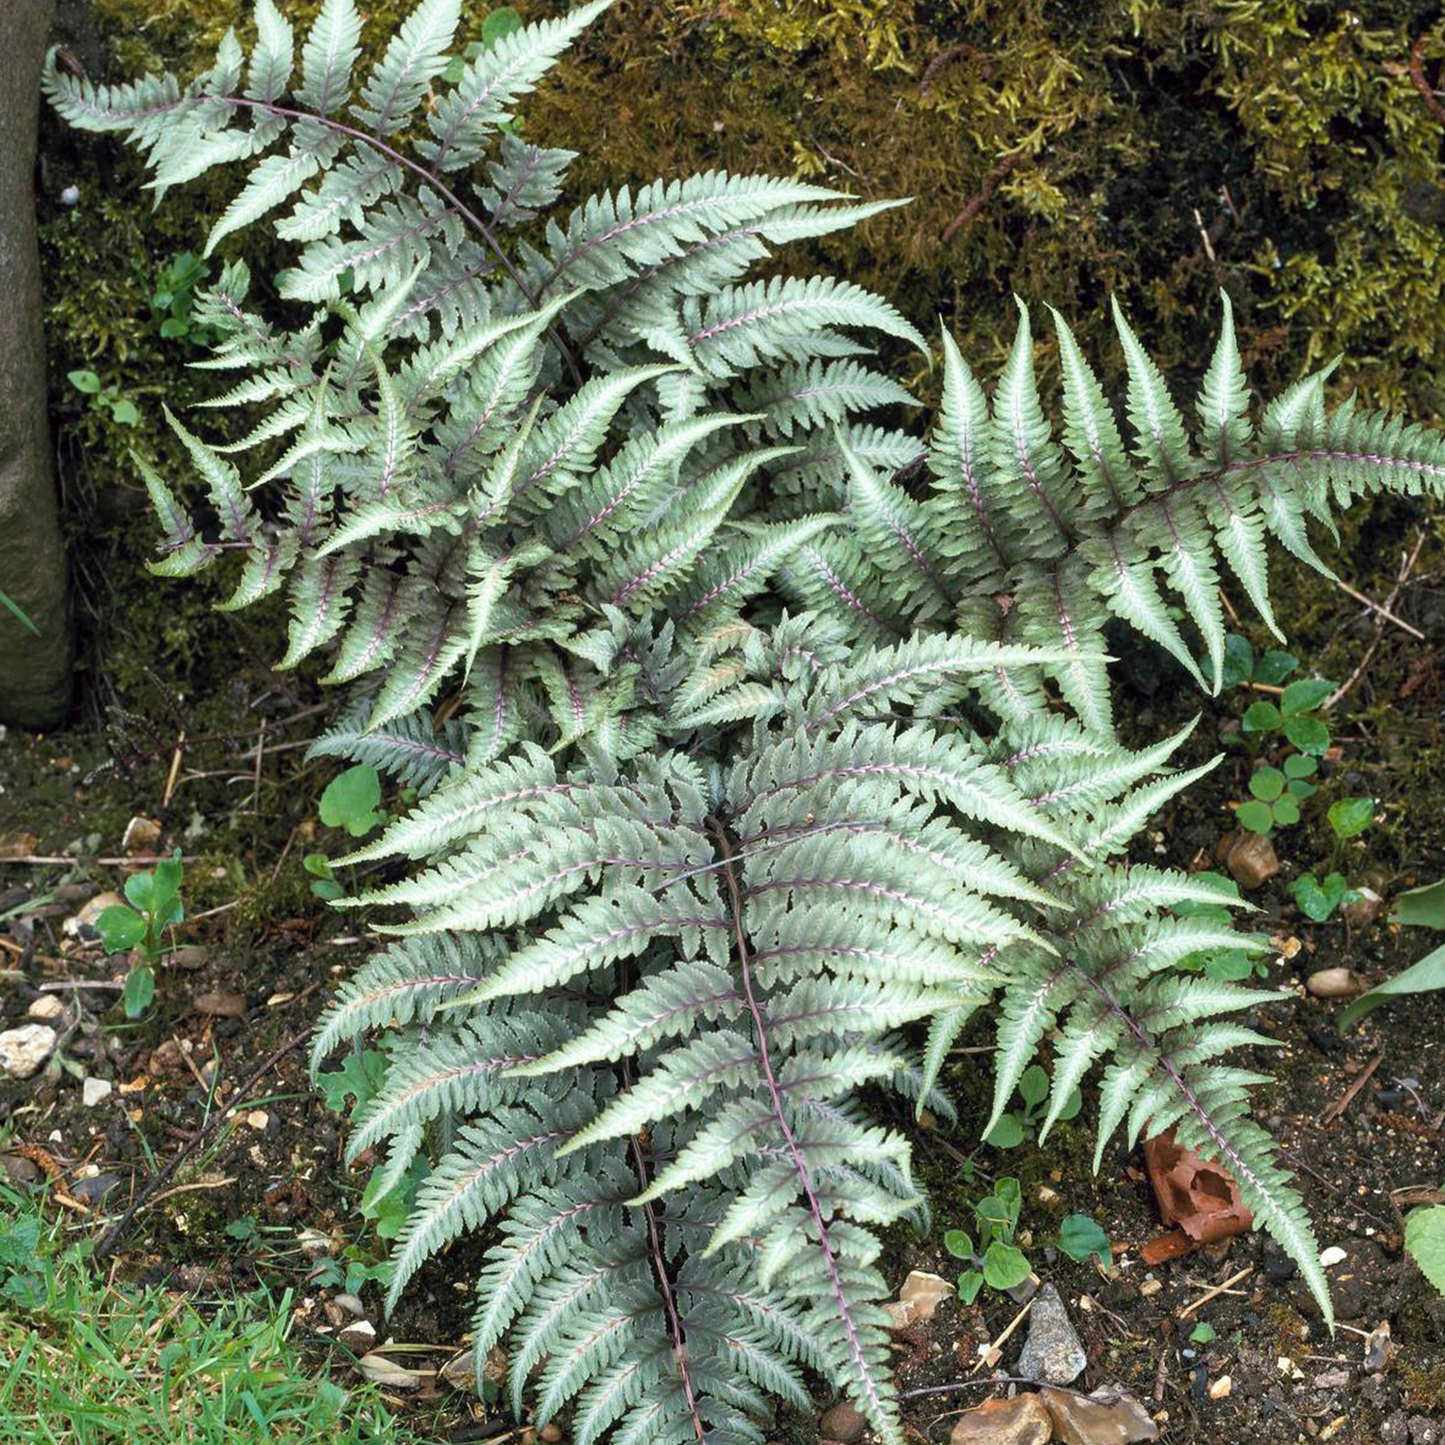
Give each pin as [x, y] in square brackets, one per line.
[693, 875]
[492, 426]
[1020, 538]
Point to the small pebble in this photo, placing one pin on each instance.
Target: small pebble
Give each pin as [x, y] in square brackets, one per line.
[844, 1423]
[1333, 1255]
[1220, 1388]
[92, 1091]
[45, 1008]
[1150, 1287]
[70, 196]
[1334, 983]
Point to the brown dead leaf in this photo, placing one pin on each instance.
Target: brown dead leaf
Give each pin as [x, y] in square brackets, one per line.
[18, 845]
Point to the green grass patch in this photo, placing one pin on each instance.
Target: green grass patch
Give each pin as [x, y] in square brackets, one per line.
[85, 1361]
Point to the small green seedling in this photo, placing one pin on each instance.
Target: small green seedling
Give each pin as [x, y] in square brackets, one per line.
[996, 1260]
[1277, 794]
[1425, 1242]
[155, 905]
[121, 409]
[1241, 666]
[1017, 1125]
[352, 800]
[323, 881]
[388, 1196]
[1318, 898]
[173, 300]
[1202, 1334]
[1296, 715]
[1351, 816]
[497, 26]
[1081, 1237]
[1224, 965]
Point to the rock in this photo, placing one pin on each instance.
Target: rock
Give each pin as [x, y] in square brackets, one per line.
[460, 1372]
[1220, 1389]
[843, 1423]
[1332, 1256]
[1423, 1431]
[1396, 1429]
[925, 1292]
[550, 1433]
[92, 1091]
[1020, 1421]
[1251, 859]
[1110, 1416]
[220, 1005]
[358, 1335]
[350, 1304]
[81, 923]
[24, 1050]
[190, 958]
[900, 1315]
[1335, 983]
[94, 1187]
[314, 1244]
[1364, 910]
[1052, 1353]
[1379, 1348]
[34, 664]
[18, 1169]
[45, 1009]
[1278, 1266]
[142, 837]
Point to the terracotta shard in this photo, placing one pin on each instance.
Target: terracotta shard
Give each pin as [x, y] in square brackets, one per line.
[1196, 1195]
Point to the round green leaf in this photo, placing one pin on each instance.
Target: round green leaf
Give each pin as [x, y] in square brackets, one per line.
[1072, 1105]
[502, 22]
[1300, 765]
[1266, 784]
[1300, 790]
[1274, 667]
[1305, 695]
[1034, 1086]
[969, 1284]
[1256, 816]
[1080, 1237]
[1308, 734]
[140, 989]
[351, 800]
[1286, 811]
[1202, 1333]
[1238, 660]
[958, 1244]
[1312, 900]
[1260, 717]
[1425, 1240]
[1008, 1133]
[1004, 1265]
[86, 381]
[1351, 816]
[120, 928]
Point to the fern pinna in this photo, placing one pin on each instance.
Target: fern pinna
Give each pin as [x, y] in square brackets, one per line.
[694, 873]
[1020, 538]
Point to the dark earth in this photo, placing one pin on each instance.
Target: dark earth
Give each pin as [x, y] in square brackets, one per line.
[182, 742]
